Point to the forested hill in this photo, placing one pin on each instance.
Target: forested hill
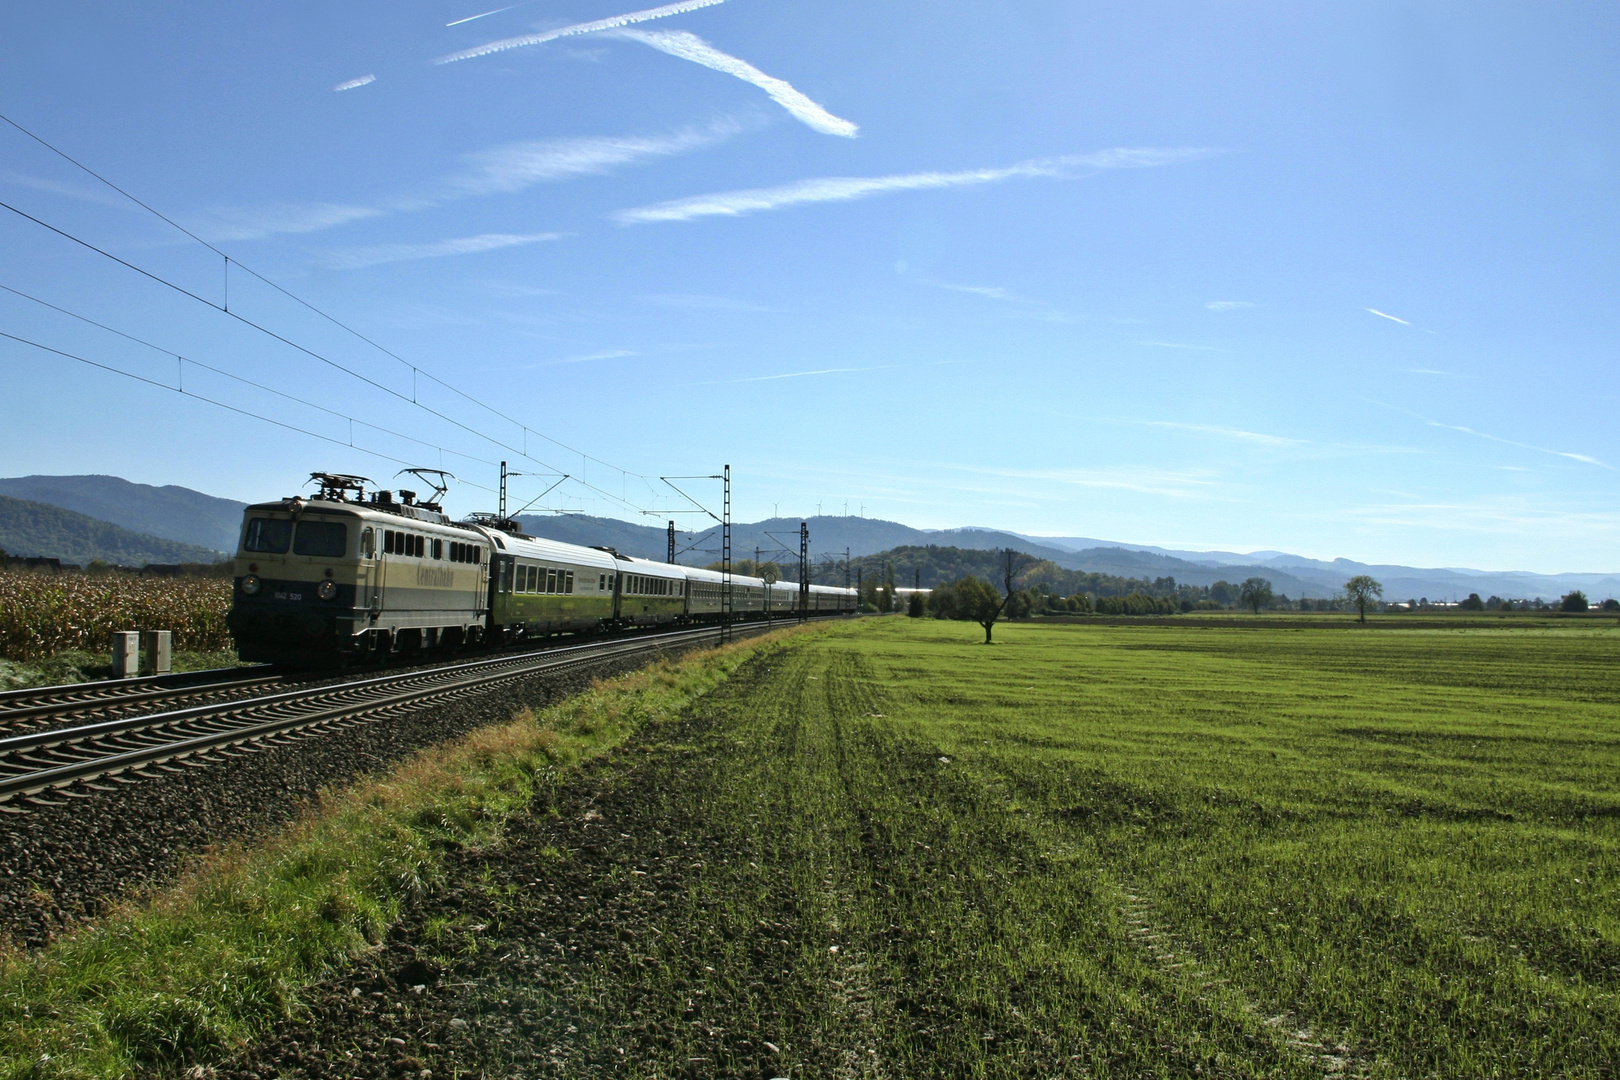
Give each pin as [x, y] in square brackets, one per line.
[1100, 571]
[169, 512]
[34, 529]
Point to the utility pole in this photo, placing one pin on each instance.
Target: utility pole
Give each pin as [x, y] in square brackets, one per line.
[725, 561]
[670, 536]
[503, 491]
[846, 567]
[804, 570]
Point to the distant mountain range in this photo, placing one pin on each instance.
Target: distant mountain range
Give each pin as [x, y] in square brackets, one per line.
[1291, 574]
[171, 515]
[33, 528]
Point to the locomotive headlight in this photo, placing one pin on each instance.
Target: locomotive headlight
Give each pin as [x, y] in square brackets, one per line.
[326, 590]
[251, 585]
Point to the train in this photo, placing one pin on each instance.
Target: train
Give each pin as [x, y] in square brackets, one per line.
[344, 576]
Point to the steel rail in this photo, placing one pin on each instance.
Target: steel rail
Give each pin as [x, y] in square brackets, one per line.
[115, 689]
[67, 706]
[116, 746]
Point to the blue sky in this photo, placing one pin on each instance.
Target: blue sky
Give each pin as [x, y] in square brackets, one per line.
[1338, 281]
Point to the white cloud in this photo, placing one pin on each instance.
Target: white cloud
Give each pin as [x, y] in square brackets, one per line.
[256, 223]
[1391, 318]
[503, 169]
[1228, 305]
[710, 303]
[1223, 432]
[687, 46]
[1584, 458]
[356, 258]
[586, 358]
[354, 84]
[72, 191]
[797, 375]
[992, 292]
[519, 165]
[845, 188]
[613, 23]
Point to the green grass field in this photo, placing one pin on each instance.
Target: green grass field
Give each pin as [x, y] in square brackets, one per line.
[890, 850]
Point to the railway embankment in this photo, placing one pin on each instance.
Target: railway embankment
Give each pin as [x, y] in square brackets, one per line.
[190, 966]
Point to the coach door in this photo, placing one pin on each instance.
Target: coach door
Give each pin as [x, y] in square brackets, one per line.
[368, 574]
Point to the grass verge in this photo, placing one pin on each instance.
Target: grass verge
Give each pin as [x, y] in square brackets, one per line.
[77, 665]
[197, 969]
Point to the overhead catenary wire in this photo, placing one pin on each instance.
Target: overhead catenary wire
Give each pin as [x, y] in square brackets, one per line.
[183, 360]
[224, 309]
[224, 405]
[228, 260]
[315, 355]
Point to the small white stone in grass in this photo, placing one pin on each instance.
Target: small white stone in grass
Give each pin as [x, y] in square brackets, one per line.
[458, 1022]
[773, 1048]
[418, 988]
[943, 760]
[832, 948]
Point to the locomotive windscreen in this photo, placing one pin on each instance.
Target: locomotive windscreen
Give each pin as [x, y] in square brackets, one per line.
[270, 535]
[323, 539]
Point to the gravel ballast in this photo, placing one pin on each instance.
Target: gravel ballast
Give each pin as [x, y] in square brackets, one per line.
[61, 864]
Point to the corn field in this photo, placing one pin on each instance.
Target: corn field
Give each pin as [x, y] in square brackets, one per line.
[43, 614]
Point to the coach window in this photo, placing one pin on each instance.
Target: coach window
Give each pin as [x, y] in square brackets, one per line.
[269, 535]
[438, 549]
[367, 544]
[570, 587]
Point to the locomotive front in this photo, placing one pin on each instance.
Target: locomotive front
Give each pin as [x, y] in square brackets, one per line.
[299, 575]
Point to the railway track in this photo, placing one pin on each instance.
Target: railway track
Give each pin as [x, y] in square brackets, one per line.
[37, 708]
[38, 766]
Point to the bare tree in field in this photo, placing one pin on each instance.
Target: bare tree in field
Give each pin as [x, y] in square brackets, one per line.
[1362, 590]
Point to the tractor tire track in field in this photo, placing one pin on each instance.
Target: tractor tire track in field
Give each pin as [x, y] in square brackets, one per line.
[777, 884]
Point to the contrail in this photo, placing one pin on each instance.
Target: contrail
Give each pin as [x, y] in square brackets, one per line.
[1391, 318]
[845, 188]
[691, 47]
[579, 28]
[470, 18]
[352, 84]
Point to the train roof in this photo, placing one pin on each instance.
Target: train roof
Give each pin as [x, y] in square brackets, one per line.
[386, 513]
[650, 567]
[533, 547]
[703, 573]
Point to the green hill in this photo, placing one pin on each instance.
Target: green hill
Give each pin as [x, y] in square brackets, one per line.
[31, 528]
[169, 512]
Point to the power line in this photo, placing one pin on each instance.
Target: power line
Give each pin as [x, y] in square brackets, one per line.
[246, 382]
[225, 309]
[312, 353]
[228, 407]
[298, 299]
